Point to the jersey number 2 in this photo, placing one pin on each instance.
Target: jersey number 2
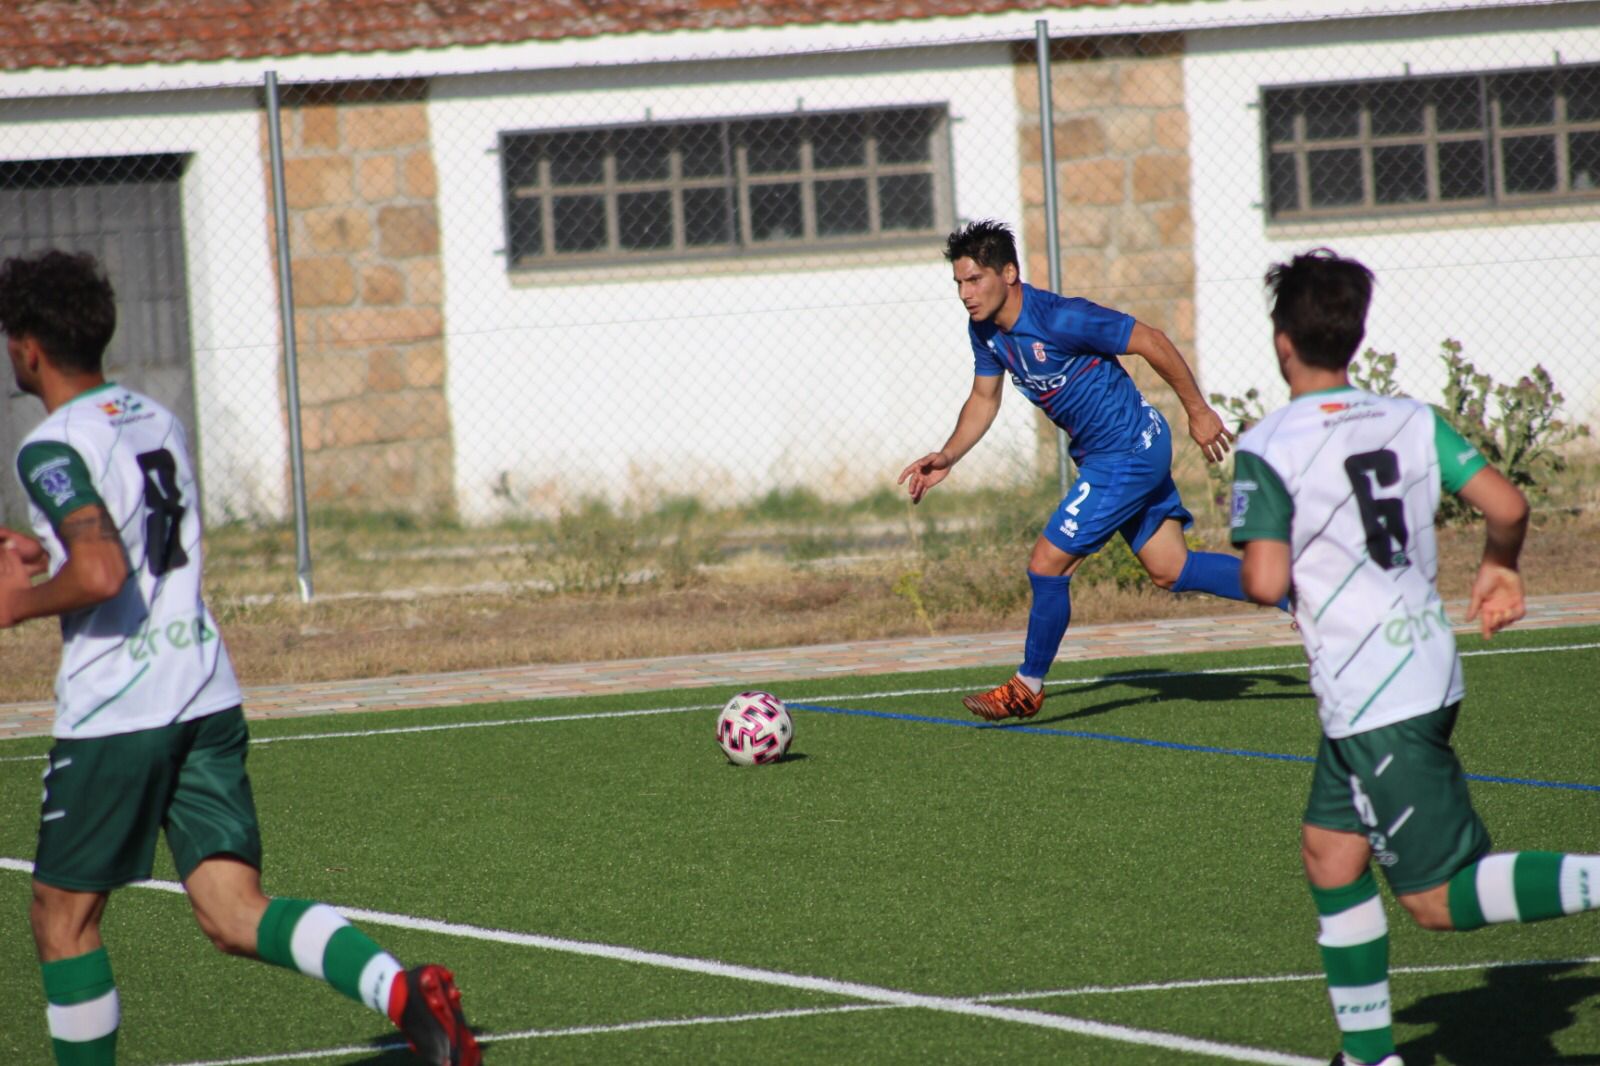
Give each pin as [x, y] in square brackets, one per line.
[1383, 517]
[163, 502]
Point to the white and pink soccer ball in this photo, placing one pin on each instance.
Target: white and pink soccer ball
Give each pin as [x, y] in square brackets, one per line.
[754, 728]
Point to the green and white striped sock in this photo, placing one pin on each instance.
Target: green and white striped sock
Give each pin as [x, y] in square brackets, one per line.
[83, 1009]
[1523, 886]
[313, 938]
[1355, 955]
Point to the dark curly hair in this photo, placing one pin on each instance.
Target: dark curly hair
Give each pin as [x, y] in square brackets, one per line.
[64, 301]
[986, 242]
[1320, 300]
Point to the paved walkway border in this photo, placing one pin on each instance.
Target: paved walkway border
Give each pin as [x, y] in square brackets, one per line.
[1231, 632]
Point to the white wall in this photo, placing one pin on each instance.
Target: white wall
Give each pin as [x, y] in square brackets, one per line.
[829, 371]
[232, 287]
[1516, 287]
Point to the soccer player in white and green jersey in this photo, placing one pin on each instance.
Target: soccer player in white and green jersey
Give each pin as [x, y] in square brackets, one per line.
[148, 729]
[1334, 496]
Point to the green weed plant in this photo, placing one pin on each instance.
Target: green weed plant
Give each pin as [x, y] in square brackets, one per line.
[1517, 427]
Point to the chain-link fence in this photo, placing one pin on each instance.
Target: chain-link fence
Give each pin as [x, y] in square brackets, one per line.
[713, 286]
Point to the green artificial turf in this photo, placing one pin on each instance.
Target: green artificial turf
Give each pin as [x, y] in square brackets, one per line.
[896, 847]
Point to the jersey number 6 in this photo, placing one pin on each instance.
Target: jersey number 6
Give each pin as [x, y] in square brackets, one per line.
[1383, 517]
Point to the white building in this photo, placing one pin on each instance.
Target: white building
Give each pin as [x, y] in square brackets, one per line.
[691, 253]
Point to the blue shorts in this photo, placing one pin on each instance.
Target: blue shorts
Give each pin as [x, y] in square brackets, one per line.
[1130, 493]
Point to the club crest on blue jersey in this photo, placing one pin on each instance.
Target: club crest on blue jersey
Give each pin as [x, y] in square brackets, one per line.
[1038, 351]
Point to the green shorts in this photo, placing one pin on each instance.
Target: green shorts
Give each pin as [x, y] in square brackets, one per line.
[107, 798]
[1402, 787]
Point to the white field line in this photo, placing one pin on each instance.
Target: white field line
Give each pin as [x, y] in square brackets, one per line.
[878, 998]
[1227, 982]
[849, 1008]
[892, 694]
[801, 982]
[543, 1034]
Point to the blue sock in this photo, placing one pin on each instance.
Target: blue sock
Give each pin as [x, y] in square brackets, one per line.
[1047, 622]
[1212, 572]
[1216, 573]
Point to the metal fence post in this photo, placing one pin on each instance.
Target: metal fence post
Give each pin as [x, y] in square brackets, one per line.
[1052, 240]
[291, 365]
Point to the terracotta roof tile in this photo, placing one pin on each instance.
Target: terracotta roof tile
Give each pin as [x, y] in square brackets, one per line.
[62, 33]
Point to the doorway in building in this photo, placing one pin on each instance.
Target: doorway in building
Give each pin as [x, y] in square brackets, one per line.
[127, 212]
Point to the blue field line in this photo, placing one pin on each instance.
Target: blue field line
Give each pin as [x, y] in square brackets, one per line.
[1533, 782]
[1170, 745]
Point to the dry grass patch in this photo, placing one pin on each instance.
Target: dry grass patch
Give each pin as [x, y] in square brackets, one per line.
[755, 602]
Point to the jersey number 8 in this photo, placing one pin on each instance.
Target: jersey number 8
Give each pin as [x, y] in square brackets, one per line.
[163, 539]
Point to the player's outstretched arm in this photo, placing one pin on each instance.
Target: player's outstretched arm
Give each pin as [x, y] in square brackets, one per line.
[96, 567]
[1205, 425]
[977, 415]
[1497, 593]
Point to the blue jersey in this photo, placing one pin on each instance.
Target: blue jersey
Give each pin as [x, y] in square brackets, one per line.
[1062, 355]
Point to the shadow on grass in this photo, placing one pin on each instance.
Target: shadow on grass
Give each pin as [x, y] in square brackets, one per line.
[1511, 1018]
[787, 757]
[1156, 686]
[387, 1052]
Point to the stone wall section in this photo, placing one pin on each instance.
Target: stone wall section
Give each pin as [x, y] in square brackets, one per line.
[1122, 190]
[369, 297]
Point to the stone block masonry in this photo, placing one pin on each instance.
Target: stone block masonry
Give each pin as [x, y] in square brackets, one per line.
[1122, 189]
[369, 322]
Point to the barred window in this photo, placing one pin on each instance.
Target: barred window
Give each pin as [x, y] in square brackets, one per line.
[735, 186]
[1376, 147]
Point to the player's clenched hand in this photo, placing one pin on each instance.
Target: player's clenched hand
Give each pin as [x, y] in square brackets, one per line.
[13, 579]
[1497, 598]
[924, 474]
[29, 552]
[1208, 431]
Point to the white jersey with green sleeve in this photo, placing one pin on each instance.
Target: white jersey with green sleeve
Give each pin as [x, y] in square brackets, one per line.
[1351, 482]
[151, 655]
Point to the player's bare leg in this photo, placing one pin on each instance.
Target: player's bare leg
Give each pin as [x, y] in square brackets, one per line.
[1050, 572]
[1354, 942]
[1171, 565]
[65, 923]
[1164, 555]
[422, 1002]
[84, 1009]
[228, 903]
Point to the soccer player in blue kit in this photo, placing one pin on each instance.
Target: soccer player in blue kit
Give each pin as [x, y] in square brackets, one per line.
[1062, 354]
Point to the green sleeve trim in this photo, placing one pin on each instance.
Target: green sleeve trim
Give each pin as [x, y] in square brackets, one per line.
[1262, 507]
[56, 479]
[1458, 459]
